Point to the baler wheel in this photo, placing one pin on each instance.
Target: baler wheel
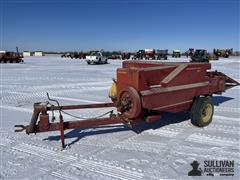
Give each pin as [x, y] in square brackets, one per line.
[129, 103]
[202, 111]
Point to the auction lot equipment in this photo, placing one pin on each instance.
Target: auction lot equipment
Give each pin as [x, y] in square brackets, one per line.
[201, 55]
[96, 57]
[176, 53]
[149, 54]
[189, 52]
[140, 54]
[10, 57]
[125, 55]
[223, 52]
[161, 54]
[142, 91]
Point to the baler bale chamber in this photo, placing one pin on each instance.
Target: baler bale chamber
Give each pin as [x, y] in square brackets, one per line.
[142, 91]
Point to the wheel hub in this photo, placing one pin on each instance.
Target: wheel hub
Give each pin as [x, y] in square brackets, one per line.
[207, 113]
[129, 103]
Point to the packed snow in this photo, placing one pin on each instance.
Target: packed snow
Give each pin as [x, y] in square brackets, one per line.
[163, 150]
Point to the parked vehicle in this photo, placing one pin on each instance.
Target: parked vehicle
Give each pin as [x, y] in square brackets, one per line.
[140, 54]
[64, 55]
[126, 55]
[96, 57]
[10, 57]
[176, 53]
[189, 52]
[67, 55]
[146, 54]
[200, 55]
[114, 55]
[223, 52]
[161, 54]
[149, 54]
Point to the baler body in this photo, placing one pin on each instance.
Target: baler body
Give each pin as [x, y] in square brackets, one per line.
[169, 87]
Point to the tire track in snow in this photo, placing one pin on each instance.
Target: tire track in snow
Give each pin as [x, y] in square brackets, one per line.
[144, 146]
[226, 109]
[44, 153]
[109, 170]
[223, 128]
[212, 140]
[5, 141]
[62, 176]
[226, 118]
[20, 109]
[57, 86]
[42, 94]
[205, 152]
[94, 166]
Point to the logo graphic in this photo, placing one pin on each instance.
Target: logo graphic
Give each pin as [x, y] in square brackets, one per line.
[195, 170]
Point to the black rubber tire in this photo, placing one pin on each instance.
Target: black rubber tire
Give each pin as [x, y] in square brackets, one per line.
[197, 111]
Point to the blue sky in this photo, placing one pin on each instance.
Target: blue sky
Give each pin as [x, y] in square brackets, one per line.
[61, 25]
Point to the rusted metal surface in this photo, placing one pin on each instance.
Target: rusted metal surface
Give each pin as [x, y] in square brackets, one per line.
[144, 89]
[129, 103]
[44, 126]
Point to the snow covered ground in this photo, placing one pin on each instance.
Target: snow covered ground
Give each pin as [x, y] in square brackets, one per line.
[162, 151]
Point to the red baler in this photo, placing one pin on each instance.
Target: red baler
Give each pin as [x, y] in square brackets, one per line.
[142, 91]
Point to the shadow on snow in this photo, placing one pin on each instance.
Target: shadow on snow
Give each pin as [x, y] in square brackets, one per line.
[166, 119]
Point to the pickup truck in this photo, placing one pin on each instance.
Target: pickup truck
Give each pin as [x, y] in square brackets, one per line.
[96, 57]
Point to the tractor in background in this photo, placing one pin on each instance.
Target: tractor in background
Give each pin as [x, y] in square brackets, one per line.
[146, 54]
[176, 53]
[140, 54]
[113, 55]
[223, 52]
[189, 52]
[201, 55]
[11, 57]
[126, 55]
